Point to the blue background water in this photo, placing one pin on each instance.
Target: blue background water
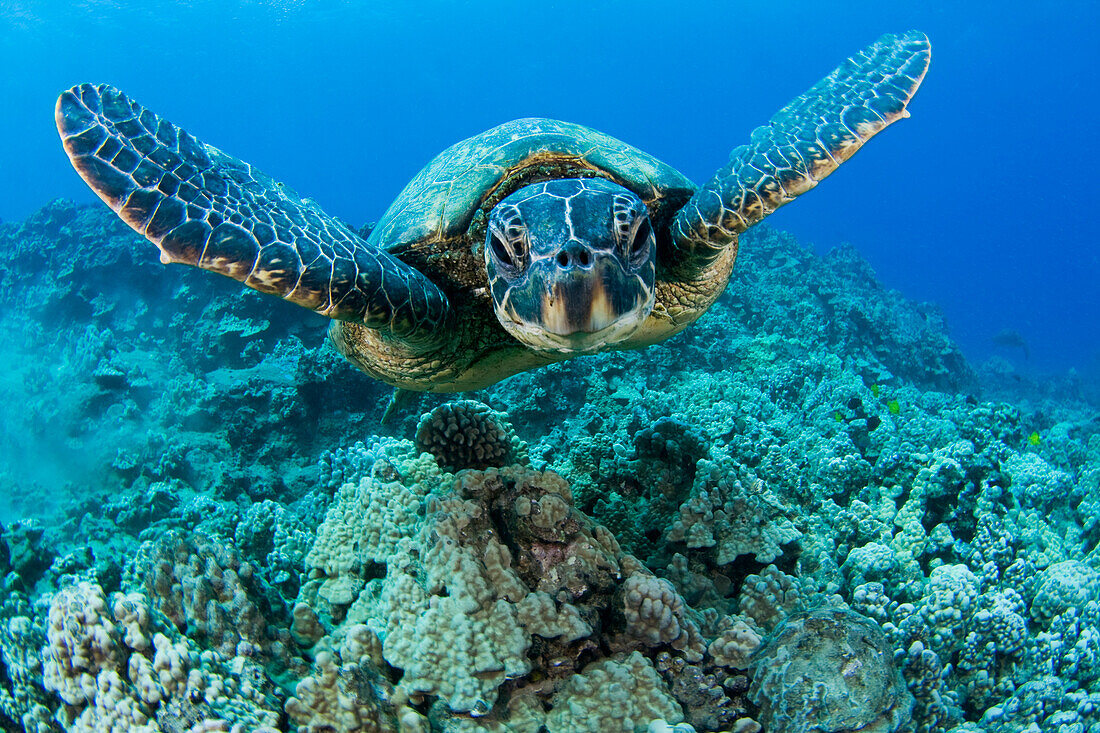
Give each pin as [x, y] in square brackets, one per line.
[984, 202]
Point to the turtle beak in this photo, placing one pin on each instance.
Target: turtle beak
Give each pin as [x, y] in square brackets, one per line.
[577, 301]
[565, 307]
[578, 304]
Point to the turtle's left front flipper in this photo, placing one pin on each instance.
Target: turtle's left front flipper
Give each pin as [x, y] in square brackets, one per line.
[804, 142]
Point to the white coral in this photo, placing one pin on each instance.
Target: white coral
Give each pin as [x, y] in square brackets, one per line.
[540, 615]
[324, 700]
[81, 643]
[735, 645]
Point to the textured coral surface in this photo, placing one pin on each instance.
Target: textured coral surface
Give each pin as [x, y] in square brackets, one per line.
[805, 513]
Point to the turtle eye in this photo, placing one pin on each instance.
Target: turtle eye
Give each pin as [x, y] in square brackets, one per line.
[508, 255]
[640, 240]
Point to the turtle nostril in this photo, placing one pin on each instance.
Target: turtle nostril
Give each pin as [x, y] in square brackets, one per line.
[573, 256]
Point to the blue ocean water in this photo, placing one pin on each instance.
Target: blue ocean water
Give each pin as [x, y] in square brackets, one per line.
[835, 502]
[982, 203]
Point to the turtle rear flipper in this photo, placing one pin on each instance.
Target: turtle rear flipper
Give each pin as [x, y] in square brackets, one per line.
[204, 208]
[803, 143]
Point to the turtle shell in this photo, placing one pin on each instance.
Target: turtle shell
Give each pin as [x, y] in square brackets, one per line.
[437, 223]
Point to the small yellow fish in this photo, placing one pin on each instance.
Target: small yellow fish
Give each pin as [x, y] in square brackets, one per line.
[894, 406]
[1034, 438]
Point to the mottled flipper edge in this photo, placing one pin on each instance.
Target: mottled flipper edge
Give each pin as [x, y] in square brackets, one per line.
[804, 142]
[204, 208]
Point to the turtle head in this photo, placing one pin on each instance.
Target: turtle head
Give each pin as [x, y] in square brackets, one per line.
[571, 264]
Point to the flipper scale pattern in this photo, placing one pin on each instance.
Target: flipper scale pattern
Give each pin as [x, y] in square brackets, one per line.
[803, 143]
[204, 208]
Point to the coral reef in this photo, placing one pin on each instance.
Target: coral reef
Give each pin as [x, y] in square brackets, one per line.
[111, 676]
[799, 514]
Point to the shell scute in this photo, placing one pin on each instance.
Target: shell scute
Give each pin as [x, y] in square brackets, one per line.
[441, 202]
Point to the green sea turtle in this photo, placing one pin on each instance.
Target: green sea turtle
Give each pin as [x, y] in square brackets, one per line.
[530, 243]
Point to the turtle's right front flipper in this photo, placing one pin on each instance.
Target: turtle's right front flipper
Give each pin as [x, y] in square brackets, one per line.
[204, 208]
[802, 144]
